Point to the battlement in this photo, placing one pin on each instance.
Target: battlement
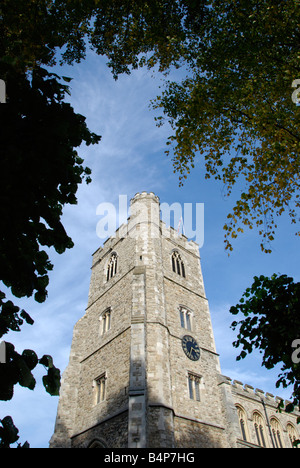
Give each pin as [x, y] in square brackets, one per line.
[146, 301]
[169, 232]
[145, 211]
[144, 195]
[247, 391]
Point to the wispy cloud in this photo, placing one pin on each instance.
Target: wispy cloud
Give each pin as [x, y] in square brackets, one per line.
[119, 112]
[130, 158]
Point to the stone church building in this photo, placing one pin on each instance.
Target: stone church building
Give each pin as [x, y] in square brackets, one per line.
[143, 368]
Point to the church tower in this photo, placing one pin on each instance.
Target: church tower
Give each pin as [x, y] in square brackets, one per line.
[143, 368]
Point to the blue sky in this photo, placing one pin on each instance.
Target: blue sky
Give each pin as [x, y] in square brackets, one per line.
[130, 158]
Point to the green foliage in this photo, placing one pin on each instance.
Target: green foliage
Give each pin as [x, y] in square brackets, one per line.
[235, 110]
[234, 107]
[51, 381]
[40, 172]
[135, 33]
[32, 32]
[271, 323]
[17, 369]
[10, 316]
[9, 433]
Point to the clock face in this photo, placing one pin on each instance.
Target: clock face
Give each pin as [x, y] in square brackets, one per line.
[191, 348]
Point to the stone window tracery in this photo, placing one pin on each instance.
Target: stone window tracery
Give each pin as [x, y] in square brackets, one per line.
[276, 433]
[112, 267]
[97, 444]
[259, 427]
[185, 318]
[292, 433]
[195, 384]
[243, 423]
[105, 321]
[100, 388]
[177, 264]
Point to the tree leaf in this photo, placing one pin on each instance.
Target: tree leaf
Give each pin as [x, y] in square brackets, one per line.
[8, 432]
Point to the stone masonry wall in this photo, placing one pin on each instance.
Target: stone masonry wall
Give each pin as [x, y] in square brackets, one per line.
[147, 394]
[255, 401]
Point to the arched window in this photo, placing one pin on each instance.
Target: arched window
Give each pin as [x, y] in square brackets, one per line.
[293, 434]
[100, 388]
[195, 383]
[185, 318]
[243, 422]
[105, 321]
[276, 433]
[177, 264]
[97, 444]
[260, 430]
[112, 267]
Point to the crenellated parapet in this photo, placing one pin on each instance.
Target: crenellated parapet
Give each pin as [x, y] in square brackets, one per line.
[258, 420]
[248, 391]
